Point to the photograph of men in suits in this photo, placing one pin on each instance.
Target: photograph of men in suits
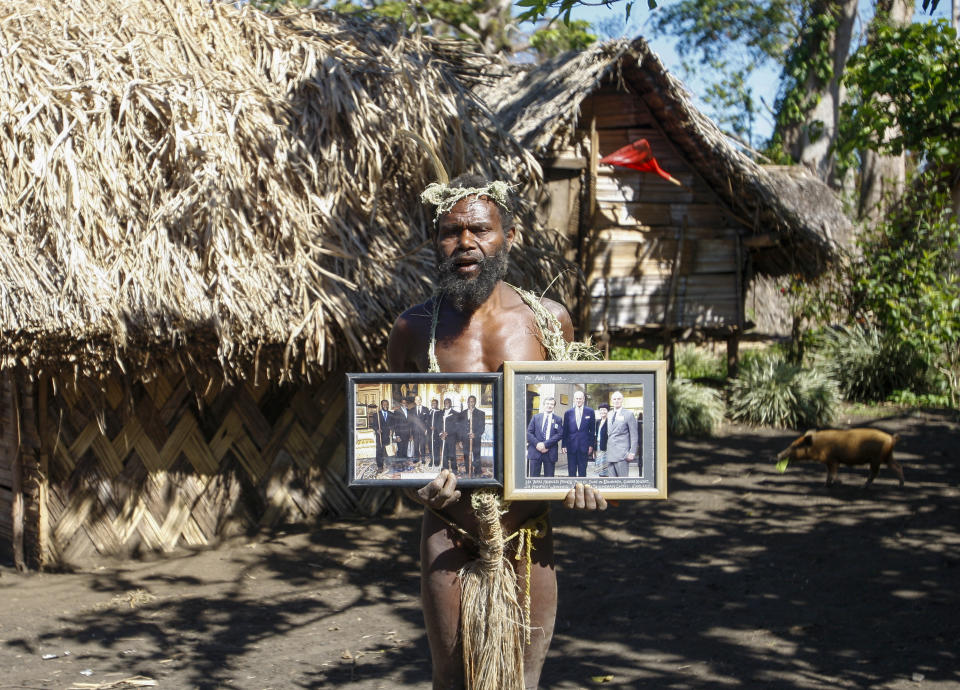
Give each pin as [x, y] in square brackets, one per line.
[543, 434]
[472, 423]
[623, 438]
[449, 435]
[403, 428]
[434, 427]
[421, 422]
[381, 423]
[600, 447]
[578, 435]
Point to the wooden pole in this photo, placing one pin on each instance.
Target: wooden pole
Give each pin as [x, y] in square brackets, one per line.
[733, 355]
[43, 535]
[669, 315]
[588, 216]
[17, 478]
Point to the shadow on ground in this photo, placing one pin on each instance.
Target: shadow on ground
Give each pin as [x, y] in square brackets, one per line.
[750, 578]
[744, 578]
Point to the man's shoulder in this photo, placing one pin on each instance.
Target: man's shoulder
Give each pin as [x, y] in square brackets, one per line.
[512, 299]
[555, 309]
[408, 338]
[417, 314]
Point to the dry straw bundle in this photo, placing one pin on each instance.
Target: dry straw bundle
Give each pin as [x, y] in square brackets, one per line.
[187, 173]
[492, 625]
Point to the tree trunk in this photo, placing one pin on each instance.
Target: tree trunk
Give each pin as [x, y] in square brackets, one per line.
[810, 141]
[882, 177]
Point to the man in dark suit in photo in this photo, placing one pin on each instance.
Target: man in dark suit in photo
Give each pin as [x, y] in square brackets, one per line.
[449, 435]
[403, 427]
[473, 422]
[434, 427]
[543, 434]
[382, 424]
[421, 423]
[578, 435]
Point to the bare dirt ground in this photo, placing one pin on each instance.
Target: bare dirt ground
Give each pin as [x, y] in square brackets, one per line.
[744, 578]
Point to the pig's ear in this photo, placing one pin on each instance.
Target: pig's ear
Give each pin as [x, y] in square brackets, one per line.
[807, 438]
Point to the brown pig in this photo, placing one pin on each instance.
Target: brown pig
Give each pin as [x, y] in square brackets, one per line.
[850, 447]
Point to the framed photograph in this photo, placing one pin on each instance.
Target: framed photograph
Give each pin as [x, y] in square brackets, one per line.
[404, 428]
[610, 433]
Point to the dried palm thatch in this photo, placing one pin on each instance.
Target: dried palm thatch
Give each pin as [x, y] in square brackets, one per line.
[192, 178]
[540, 107]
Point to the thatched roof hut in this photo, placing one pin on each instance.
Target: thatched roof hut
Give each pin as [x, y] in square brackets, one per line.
[197, 203]
[541, 107]
[578, 107]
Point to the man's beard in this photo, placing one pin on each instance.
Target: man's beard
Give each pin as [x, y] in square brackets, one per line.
[467, 294]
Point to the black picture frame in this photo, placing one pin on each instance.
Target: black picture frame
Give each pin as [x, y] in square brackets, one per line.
[367, 465]
[527, 385]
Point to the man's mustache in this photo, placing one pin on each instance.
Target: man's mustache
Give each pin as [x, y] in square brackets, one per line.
[465, 256]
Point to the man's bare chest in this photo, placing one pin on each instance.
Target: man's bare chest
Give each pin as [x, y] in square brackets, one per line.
[487, 345]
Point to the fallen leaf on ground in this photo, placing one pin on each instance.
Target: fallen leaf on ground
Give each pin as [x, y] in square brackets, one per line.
[601, 679]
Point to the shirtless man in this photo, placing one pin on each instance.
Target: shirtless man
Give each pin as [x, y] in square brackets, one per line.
[481, 323]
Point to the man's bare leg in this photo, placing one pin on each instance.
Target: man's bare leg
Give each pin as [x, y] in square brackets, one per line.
[441, 560]
[543, 607]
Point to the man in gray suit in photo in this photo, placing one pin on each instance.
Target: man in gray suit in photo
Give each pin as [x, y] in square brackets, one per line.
[623, 438]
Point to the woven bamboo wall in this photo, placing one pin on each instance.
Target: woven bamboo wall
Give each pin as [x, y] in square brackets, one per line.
[146, 468]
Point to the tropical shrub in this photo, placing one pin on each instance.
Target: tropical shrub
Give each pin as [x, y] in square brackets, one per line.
[635, 353]
[911, 399]
[773, 392]
[867, 366]
[693, 410]
[906, 285]
[694, 363]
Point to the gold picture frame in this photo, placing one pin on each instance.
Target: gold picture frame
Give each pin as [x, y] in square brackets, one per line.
[527, 472]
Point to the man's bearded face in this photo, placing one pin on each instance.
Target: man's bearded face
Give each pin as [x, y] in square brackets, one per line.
[471, 252]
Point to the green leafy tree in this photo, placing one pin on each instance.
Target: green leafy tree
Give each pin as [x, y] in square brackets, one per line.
[490, 23]
[534, 10]
[905, 95]
[906, 282]
[559, 37]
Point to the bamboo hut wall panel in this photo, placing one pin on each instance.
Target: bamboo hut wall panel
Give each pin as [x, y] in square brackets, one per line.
[633, 312]
[615, 108]
[559, 209]
[624, 185]
[652, 215]
[699, 286]
[655, 258]
[167, 474]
